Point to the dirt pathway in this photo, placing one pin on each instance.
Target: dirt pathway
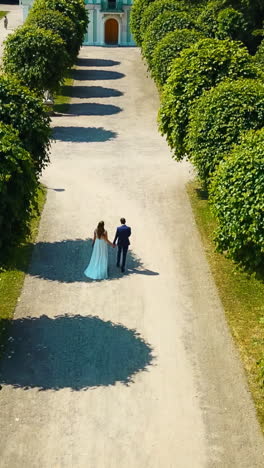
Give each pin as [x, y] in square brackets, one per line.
[138, 371]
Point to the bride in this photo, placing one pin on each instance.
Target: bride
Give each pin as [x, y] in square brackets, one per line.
[97, 268]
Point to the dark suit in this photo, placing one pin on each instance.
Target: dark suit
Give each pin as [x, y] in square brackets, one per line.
[122, 237]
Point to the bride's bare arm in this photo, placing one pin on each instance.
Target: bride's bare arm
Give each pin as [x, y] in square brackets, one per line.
[94, 238]
[107, 240]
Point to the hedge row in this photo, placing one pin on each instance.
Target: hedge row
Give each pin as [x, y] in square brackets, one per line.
[236, 194]
[40, 52]
[212, 106]
[163, 24]
[36, 58]
[199, 68]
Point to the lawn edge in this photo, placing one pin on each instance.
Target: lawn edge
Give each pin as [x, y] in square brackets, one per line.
[12, 280]
[225, 273]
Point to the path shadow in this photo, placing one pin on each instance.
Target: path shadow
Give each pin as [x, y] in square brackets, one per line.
[83, 134]
[93, 75]
[90, 92]
[88, 62]
[56, 189]
[92, 108]
[76, 352]
[65, 261]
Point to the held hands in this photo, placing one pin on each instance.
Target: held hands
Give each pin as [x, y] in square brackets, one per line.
[113, 245]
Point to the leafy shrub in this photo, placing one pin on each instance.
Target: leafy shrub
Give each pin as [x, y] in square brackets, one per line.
[17, 188]
[228, 18]
[259, 56]
[207, 20]
[164, 23]
[198, 68]
[155, 9]
[73, 9]
[20, 108]
[219, 118]
[37, 57]
[58, 24]
[137, 12]
[253, 11]
[232, 24]
[237, 197]
[212, 21]
[170, 48]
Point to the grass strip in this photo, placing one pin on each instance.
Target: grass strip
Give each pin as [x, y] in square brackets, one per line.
[12, 278]
[242, 296]
[3, 13]
[63, 97]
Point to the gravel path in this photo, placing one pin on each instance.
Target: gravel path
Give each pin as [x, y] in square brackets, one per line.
[138, 371]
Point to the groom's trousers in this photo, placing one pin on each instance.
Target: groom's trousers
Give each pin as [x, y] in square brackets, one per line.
[122, 249]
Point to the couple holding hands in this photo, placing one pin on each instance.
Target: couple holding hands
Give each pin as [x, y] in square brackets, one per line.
[98, 265]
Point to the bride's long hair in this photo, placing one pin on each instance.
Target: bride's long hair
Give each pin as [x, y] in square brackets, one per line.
[100, 229]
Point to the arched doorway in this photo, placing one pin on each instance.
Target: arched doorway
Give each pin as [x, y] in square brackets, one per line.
[111, 31]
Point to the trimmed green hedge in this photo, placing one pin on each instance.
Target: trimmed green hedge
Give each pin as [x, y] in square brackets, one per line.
[259, 56]
[137, 12]
[20, 108]
[155, 9]
[232, 24]
[74, 9]
[199, 67]
[170, 48]
[18, 185]
[237, 198]
[164, 23]
[58, 24]
[37, 57]
[207, 20]
[232, 18]
[219, 118]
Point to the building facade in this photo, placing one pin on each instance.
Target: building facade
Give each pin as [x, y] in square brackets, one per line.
[109, 22]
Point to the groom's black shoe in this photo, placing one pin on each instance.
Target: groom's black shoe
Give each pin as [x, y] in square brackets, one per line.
[123, 270]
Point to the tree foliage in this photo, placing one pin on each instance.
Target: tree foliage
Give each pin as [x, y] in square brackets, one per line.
[25, 112]
[164, 23]
[17, 188]
[37, 57]
[218, 120]
[231, 24]
[259, 56]
[207, 20]
[58, 24]
[237, 198]
[170, 48]
[236, 19]
[216, 18]
[198, 68]
[155, 9]
[73, 9]
[137, 12]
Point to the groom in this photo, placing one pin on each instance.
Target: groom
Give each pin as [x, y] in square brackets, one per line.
[123, 233]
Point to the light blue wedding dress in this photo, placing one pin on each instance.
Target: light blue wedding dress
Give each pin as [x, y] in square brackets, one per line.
[98, 266]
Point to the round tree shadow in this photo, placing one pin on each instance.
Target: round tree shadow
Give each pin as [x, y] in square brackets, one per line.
[83, 134]
[65, 261]
[92, 108]
[76, 352]
[88, 92]
[87, 62]
[94, 75]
